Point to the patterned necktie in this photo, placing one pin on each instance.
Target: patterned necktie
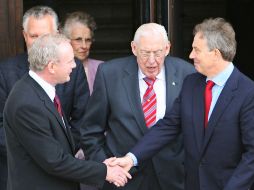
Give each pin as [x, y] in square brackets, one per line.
[58, 105]
[149, 103]
[208, 99]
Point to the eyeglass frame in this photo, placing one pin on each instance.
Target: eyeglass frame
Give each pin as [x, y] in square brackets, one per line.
[80, 40]
[144, 54]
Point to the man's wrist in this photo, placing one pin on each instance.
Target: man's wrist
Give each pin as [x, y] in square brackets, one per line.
[133, 157]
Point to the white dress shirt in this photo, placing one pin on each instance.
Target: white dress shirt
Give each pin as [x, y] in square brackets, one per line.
[160, 91]
[48, 88]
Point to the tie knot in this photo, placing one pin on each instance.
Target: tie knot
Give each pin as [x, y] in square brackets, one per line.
[210, 84]
[149, 81]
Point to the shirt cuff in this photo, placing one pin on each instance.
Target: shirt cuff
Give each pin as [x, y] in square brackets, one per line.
[133, 157]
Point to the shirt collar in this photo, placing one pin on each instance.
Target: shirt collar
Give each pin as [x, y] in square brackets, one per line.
[48, 88]
[223, 76]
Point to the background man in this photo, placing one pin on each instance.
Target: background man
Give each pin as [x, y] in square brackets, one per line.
[40, 147]
[74, 95]
[217, 121]
[115, 107]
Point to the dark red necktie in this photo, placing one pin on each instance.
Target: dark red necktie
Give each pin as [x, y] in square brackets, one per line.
[149, 103]
[58, 105]
[208, 99]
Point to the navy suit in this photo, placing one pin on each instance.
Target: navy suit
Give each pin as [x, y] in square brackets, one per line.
[73, 95]
[220, 156]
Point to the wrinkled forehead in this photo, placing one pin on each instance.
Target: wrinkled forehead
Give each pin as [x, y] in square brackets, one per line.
[151, 43]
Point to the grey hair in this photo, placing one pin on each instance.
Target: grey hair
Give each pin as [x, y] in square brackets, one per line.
[220, 35]
[150, 29]
[78, 17]
[45, 49]
[40, 12]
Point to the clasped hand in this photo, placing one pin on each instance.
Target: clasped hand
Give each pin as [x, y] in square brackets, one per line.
[117, 170]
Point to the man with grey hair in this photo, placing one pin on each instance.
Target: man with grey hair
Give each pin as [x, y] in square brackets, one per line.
[116, 108]
[215, 113]
[40, 147]
[74, 95]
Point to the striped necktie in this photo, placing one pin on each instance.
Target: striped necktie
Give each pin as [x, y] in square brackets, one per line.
[149, 103]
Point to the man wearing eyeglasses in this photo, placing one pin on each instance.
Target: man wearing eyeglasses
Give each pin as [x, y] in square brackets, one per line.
[130, 95]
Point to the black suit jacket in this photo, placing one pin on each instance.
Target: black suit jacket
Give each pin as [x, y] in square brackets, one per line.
[115, 108]
[40, 149]
[73, 95]
[222, 156]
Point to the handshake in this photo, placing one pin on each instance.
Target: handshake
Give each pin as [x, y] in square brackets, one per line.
[117, 170]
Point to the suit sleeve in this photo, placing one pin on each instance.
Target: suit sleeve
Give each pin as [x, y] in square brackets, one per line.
[161, 134]
[93, 131]
[80, 100]
[243, 175]
[33, 130]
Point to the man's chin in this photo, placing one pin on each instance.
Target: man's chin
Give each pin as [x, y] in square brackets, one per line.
[64, 81]
[81, 58]
[152, 75]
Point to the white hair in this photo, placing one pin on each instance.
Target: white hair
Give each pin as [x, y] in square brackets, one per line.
[150, 29]
[40, 12]
[45, 49]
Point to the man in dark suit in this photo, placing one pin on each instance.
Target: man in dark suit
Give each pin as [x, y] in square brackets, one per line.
[40, 148]
[73, 95]
[218, 139]
[115, 108]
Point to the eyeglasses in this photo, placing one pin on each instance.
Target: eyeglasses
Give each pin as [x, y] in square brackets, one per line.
[146, 54]
[80, 41]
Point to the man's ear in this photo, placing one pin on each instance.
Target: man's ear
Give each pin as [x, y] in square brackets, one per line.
[51, 67]
[168, 46]
[25, 35]
[216, 54]
[134, 48]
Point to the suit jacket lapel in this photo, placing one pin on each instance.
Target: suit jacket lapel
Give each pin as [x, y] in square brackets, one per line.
[64, 126]
[223, 101]
[198, 111]
[50, 106]
[69, 135]
[172, 84]
[131, 84]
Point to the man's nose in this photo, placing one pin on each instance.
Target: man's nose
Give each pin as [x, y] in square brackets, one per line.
[151, 57]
